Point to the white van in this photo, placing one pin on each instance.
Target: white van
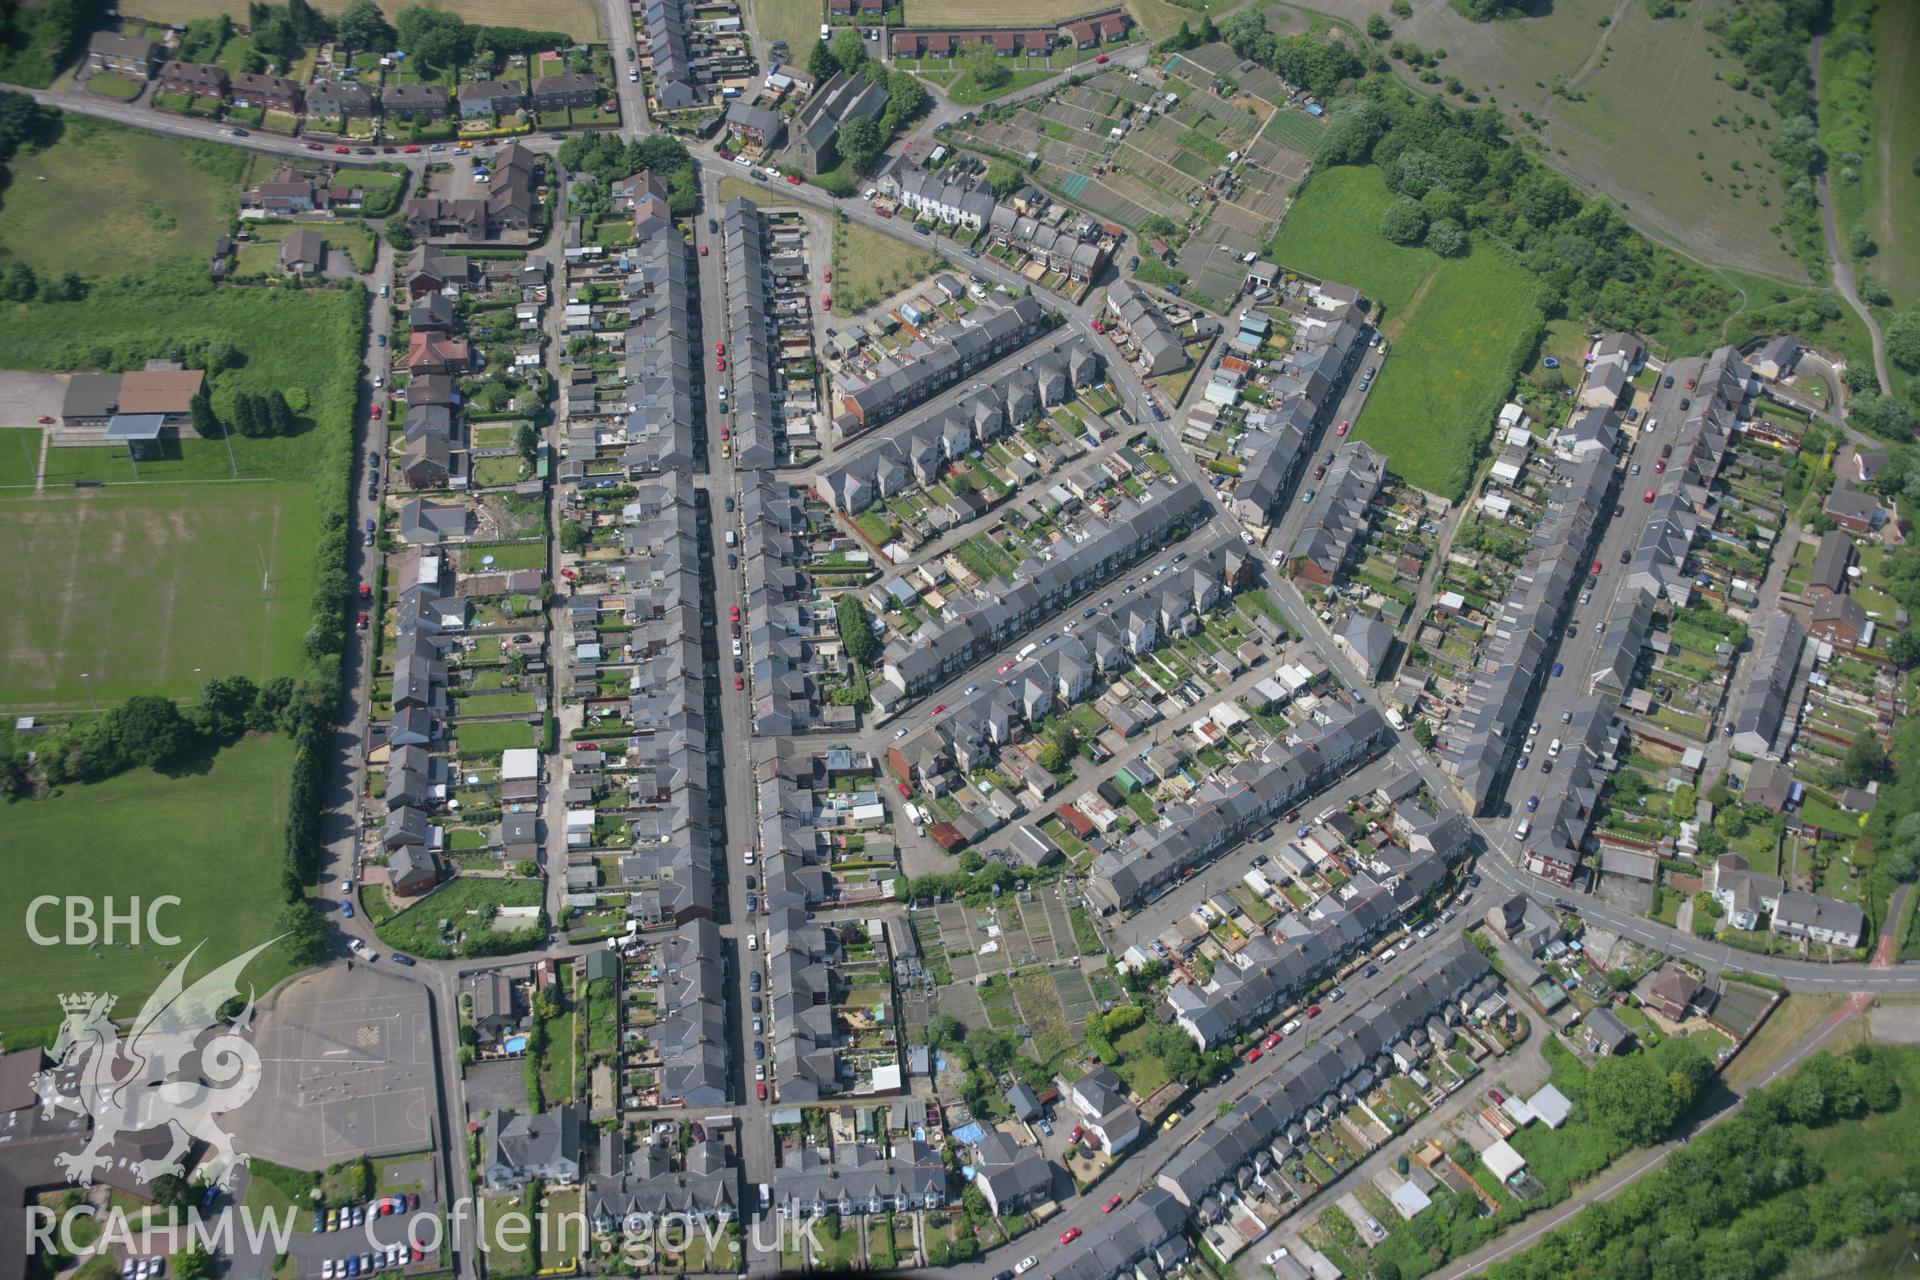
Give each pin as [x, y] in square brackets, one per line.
[1520, 832]
[1553, 748]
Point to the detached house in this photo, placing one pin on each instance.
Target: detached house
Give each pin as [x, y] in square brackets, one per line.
[520, 1149]
[303, 253]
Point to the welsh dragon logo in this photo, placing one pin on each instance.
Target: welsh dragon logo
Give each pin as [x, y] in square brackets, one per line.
[180, 1066]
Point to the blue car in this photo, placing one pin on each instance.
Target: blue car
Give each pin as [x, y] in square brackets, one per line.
[346, 909]
[1558, 667]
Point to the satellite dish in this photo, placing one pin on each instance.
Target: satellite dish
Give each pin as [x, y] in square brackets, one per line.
[486, 560]
[1853, 571]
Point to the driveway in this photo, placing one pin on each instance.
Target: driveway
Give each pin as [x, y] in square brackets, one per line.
[25, 398]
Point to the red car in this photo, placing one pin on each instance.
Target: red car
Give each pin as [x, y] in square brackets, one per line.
[1112, 1204]
[388, 150]
[1660, 467]
[762, 1090]
[377, 411]
[733, 611]
[1313, 1011]
[885, 213]
[361, 622]
[340, 151]
[1069, 1235]
[719, 348]
[419, 1254]
[937, 710]
[1100, 57]
[1689, 384]
[314, 146]
[1003, 669]
[1342, 428]
[366, 591]
[826, 302]
[905, 790]
[723, 434]
[410, 149]
[1647, 496]
[1497, 1096]
[1255, 1054]
[826, 277]
[703, 251]
[738, 683]
[1270, 1041]
[1595, 570]
[1079, 1132]
[794, 179]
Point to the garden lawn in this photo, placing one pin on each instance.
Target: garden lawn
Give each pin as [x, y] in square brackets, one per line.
[964, 92]
[479, 742]
[152, 589]
[417, 929]
[209, 836]
[1457, 329]
[868, 265]
[167, 199]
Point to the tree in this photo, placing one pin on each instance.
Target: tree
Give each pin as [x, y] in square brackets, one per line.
[1903, 340]
[1641, 1096]
[1447, 238]
[985, 69]
[1404, 222]
[433, 37]
[200, 410]
[278, 414]
[1377, 26]
[226, 705]
[574, 537]
[856, 632]
[364, 26]
[906, 98]
[306, 932]
[860, 142]
[850, 51]
[820, 63]
[147, 729]
[1865, 760]
[1860, 242]
[527, 441]
[1004, 178]
[1904, 650]
[944, 1029]
[170, 1191]
[1881, 416]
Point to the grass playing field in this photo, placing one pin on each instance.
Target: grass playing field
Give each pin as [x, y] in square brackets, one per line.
[168, 199]
[1455, 327]
[142, 587]
[210, 837]
[578, 18]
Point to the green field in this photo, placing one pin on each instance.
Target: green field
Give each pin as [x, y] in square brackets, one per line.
[578, 18]
[868, 265]
[1870, 127]
[1456, 328]
[166, 199]
[209, 836]
[152, 589]
[795, 21]
[19, 455]
[417, 929]
[964, 92]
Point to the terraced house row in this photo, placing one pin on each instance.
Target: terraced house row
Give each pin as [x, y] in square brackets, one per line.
[976, 624]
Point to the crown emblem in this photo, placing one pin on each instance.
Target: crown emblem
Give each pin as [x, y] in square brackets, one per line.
[83, 1002]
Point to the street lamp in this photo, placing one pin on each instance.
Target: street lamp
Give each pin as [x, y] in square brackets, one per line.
[89, 684]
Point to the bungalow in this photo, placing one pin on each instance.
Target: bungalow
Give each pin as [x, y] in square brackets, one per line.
[198, 79]
[271, 93]
[483, 98]
[559, 93]
[303, 253]
[131, 56]
[414, 101]
[1820, 919]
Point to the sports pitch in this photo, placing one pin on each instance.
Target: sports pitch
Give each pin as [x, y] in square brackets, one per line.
[152, 589]
[210, 837]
